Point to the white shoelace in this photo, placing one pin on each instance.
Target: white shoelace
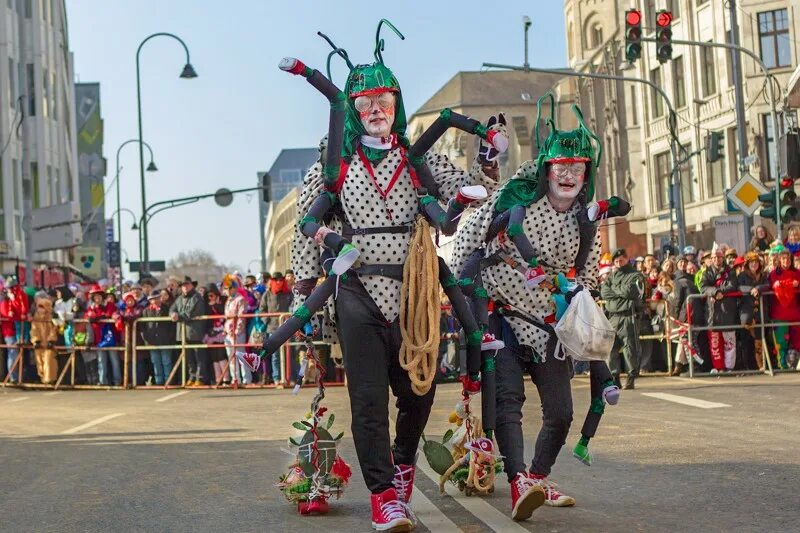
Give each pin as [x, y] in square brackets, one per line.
[395, 509]
[401, 482]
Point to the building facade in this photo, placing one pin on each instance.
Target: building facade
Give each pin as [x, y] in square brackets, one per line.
[36, 69]
[700, 84]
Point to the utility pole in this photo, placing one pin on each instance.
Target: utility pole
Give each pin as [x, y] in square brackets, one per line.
[741, 134]
[27, 186]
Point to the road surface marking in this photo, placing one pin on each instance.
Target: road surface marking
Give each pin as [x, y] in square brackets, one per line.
[87, 425]
[52, 393]
[173, 395]
[431, 516]
[685, 400]
[483, 511]
[698, 381]
[20, 399]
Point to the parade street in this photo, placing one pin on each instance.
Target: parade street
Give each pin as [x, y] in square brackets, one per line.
[675, 454]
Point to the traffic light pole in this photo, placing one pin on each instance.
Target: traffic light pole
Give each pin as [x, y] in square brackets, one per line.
[770, 95]
[677, 197]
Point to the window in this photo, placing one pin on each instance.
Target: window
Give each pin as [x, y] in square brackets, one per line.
[770, 147]
[50, 192]
[35, 182]
[31, 90]
[28, 8]
[678, 82]
[662, 166]
[716, 175]
[59, 193]
[596, 36]
[686, 181]
[656, 102]
[773, 32]
[45, 93]
[12, 94]
[570, 44]
[675, 7]
[729, 58]
[634, 108]
[15, 183]
[707, 72]
[54, 94]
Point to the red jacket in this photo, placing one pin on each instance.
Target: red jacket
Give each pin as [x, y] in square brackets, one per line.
[97, 312]
[785, 305]
[7, 319]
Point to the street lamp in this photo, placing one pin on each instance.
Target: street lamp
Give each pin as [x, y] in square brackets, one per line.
[150, 168]
[526, 22]
[188, 72]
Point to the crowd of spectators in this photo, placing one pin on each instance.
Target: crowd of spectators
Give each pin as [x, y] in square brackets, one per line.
[724, 290]
[98, 322]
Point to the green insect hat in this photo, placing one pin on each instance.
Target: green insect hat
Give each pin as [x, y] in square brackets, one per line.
[573, 146]
[368, 80]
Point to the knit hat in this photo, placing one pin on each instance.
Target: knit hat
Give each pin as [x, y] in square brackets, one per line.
[778, 249]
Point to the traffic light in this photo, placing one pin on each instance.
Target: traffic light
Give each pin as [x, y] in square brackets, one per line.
[715, 146]
[785, 190]
[266, 183]
[633, 34]
[663, 36]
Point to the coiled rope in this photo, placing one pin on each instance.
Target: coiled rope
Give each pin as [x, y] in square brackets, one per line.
[420, 303]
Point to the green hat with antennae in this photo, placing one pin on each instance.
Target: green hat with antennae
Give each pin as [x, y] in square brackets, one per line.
[366, 80]
[573, 146]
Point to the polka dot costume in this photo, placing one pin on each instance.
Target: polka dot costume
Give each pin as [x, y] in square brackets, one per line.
[364, 208]
[555, 238]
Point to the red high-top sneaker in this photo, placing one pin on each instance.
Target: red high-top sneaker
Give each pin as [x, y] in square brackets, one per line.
[404, 481]
[553, 496]
[526, 497]
[389, 513]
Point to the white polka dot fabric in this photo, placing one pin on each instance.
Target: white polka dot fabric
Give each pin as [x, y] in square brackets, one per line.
[555, 238]
[364, 208]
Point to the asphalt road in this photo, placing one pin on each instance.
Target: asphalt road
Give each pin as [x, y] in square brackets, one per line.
[208, 460]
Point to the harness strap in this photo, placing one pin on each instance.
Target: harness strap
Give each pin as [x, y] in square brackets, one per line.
[387, 271]
[348, 231]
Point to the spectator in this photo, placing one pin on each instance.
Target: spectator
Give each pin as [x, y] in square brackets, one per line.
[81, 336]
[130, 312]
[173, 286]
[683, 287]
[236, 327]
[705, 262]
[277, 299]
[650, 263]
[186, 307]
[639, 264]
[13, 310]
[761, 239]
[216, 334]
[623, 293]
[717, 282]
[689, 253]
[730, 256]
[101, 308]
[793, 240]
[752, 282]
[159, 333]
[784, 307]
[43, 336]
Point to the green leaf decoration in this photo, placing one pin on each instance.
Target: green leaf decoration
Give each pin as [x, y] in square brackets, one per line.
[339, 436]
[306, 424]
[330, 421]
[294, 442]
[298, 425]
[447, 435]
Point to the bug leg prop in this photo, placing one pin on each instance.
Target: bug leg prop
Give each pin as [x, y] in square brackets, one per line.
[447, 221]
[346, 253]
[603, 391]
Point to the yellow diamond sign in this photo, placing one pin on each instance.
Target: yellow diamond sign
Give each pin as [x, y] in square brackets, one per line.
[744, 195]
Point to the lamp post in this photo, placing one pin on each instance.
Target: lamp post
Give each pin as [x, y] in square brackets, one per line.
[526, 23]
[187, 73]
[150, 168]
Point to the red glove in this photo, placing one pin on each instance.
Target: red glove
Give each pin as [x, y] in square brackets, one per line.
[471, 386]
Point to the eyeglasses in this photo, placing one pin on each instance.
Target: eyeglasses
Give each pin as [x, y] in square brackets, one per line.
[364, 103]
[574, 170]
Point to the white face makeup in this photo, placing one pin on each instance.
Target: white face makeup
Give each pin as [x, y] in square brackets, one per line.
[376, 113]
[566, 181]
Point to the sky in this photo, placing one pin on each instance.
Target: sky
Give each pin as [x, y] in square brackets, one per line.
[220, 129]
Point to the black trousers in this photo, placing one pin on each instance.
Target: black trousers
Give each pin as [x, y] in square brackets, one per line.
[552, 380]
[371, 350]
[198, 364]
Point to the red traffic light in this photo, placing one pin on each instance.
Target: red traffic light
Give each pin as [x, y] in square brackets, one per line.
[633, 17]
[663, 19]
[787, 183]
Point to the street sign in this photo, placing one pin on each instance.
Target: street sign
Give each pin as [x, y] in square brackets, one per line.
[223, 197]
[744, 195]
[113, 254]
[56, 215]
[155, 266]
[87, 260]
[57, 237]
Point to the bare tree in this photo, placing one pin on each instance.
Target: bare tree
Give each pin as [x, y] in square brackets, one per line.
[201, 265]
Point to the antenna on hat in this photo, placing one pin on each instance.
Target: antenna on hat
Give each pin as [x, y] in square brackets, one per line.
[379, 42]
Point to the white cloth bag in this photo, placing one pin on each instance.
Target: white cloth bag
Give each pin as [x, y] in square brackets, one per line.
[584, 331]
